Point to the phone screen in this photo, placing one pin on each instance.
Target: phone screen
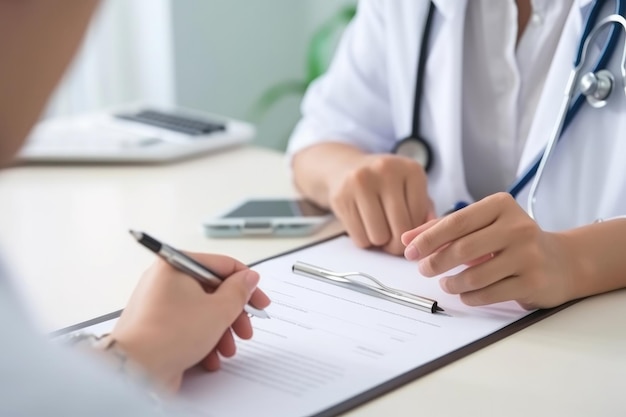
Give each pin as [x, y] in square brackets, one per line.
[277, 208]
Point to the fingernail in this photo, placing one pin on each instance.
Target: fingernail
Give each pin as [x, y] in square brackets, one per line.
[420, 267]
[411, 253]
[252, 280]
[443, 283]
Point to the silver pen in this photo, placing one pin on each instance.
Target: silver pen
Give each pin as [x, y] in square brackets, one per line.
[189, 266]
[379, 290]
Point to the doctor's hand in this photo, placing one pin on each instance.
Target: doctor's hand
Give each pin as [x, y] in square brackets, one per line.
[380, 197]
[172, 324]
[508, 257]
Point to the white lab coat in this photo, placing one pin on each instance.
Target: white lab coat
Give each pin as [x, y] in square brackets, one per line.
[366, 99]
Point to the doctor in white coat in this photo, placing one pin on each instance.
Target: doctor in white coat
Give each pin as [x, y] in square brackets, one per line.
[495, 76]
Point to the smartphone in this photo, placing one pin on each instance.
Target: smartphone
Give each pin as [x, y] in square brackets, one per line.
[268, 217]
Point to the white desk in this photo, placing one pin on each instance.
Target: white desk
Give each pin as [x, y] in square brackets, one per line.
[571, 364]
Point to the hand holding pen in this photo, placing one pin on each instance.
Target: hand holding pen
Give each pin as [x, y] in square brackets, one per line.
[171, 324]
[190, 266]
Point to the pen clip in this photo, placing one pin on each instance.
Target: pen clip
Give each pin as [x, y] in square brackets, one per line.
[378, 289]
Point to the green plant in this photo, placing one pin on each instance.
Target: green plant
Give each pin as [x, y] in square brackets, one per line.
[318, 56]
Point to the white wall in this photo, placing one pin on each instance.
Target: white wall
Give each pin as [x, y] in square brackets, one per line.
[213, 55]
[127, 56]
[228, 52]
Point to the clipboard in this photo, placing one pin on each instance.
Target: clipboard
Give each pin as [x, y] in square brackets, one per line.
[318, 251]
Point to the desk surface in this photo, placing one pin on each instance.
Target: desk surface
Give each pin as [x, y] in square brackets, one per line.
[571, 364]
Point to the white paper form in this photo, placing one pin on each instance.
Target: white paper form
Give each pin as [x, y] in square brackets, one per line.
[325, 344]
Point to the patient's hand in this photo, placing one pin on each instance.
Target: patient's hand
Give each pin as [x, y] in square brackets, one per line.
[172, 324]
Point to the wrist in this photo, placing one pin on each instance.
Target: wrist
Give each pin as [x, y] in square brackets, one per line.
[576, 267]
[140, 351]
[596, 259]
[106, 348]
[119, 360]
[315, 180]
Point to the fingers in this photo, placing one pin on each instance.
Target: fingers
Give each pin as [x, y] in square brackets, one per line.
[414, 195]
[381, 199]
[351, 219]
[226, 307]
[492, 281]
[464, 251]
[502, 290]
[398, 217]
[452, 227]
[211, 362]
[374, 219]
[408, 236]
[242, 326]
[477, 277]
[259, 299]
[504, 251]
[351, 204]
[431, 214]
[222, 265]
[228, 300]
[226, 345]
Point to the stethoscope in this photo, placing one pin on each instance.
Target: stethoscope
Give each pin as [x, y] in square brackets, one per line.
[594, 86]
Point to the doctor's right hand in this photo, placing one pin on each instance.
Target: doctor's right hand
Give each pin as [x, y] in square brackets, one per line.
[378, 198]
[172, 324]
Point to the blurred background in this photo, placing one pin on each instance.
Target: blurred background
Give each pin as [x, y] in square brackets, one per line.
[245, 59]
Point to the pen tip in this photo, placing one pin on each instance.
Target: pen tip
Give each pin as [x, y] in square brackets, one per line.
[439, 309]
[135, 234]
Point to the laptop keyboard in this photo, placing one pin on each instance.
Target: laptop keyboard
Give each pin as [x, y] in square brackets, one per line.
[177, 123]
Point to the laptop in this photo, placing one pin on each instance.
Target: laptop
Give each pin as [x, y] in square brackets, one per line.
[133, 134]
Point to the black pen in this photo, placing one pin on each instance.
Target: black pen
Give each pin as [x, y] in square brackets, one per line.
[189, 266]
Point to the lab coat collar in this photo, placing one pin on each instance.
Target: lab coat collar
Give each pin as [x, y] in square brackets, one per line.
[547, 112]
[448, 8]
[584, 6]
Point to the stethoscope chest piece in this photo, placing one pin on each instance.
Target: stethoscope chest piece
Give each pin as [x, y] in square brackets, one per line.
[416, 149]
[597, 87]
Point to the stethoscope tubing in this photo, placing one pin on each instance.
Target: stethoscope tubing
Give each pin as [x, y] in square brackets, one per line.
[610, 46]
[616, 20]
[570, 107]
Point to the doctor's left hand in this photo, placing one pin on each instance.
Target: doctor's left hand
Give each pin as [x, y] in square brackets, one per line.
[508, 257]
